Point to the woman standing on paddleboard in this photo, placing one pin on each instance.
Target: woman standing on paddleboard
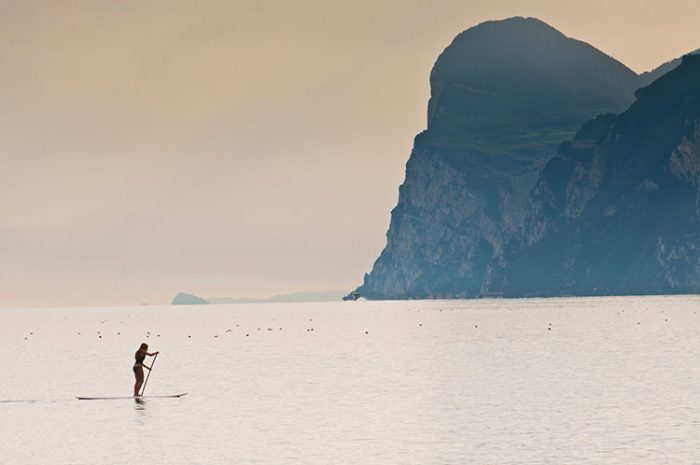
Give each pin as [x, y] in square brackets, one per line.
[140, 356]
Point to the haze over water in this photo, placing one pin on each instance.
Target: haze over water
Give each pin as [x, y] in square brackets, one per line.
[538, 381]
[234, 148]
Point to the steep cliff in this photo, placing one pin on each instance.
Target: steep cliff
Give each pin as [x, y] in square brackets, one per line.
[617, 211]
[504, 96]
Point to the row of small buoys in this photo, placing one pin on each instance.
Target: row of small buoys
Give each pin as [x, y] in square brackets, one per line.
[148, 334]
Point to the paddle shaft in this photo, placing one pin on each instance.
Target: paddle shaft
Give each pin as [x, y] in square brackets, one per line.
[143, 389]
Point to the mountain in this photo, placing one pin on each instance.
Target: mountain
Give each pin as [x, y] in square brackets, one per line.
[653, 75]
[183, 298]
[504, 96]
[617, 211]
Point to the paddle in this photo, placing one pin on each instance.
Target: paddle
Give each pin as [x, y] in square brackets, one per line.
[143, 389]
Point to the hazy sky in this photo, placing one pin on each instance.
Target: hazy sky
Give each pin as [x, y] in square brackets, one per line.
[233, 148]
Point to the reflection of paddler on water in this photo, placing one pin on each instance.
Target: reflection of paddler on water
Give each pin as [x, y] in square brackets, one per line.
[140, 356]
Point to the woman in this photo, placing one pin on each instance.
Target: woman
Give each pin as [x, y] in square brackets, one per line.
[140, 356]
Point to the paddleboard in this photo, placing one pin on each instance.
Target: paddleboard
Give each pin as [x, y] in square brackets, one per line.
[132, 397]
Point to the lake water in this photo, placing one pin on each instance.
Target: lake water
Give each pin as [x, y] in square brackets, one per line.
[534, 381]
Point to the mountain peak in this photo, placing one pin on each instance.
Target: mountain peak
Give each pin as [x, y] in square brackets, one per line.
[523, 65]
[524, 22]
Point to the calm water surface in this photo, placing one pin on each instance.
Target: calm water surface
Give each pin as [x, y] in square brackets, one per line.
[537, 381]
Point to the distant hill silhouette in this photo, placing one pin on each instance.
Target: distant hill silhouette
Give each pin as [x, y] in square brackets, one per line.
[183, 298]
[653, 75]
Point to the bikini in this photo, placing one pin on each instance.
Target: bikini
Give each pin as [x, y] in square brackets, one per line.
[139, 360]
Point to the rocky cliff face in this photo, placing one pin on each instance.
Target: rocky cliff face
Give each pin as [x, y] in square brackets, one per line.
[617, 211]
[504, 96]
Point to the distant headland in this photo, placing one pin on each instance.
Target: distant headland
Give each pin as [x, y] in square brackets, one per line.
[311, 296]
[183, 298]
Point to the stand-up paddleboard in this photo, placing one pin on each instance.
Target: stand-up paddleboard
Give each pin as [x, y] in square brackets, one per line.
[132, 397]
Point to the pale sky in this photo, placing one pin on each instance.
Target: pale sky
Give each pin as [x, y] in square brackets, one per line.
[233, 148]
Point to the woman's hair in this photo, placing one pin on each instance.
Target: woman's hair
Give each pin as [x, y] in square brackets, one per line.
[144, 346]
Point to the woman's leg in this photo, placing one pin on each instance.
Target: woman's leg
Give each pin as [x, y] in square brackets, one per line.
[138, 373]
